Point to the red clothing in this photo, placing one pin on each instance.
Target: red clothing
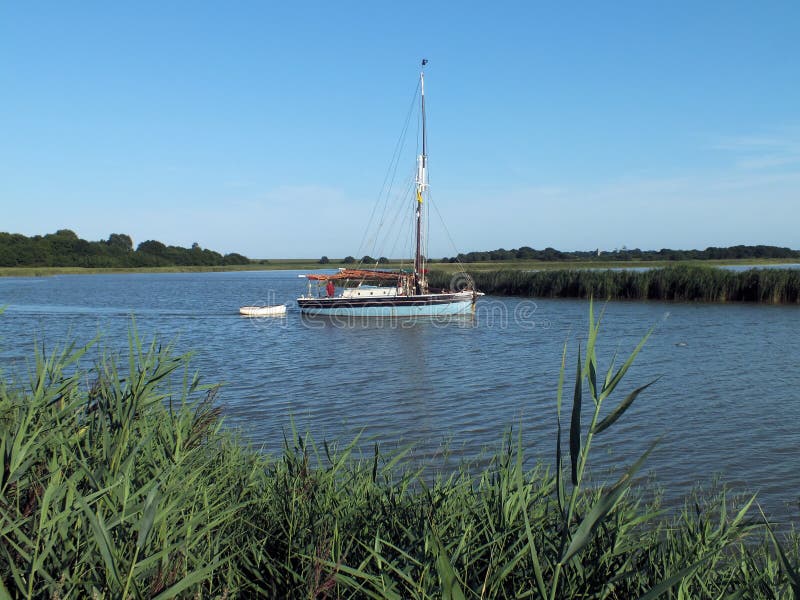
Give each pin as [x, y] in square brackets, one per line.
[330, 288]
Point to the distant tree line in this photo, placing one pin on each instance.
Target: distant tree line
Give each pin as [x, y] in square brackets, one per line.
[65, 249]
[625, 254]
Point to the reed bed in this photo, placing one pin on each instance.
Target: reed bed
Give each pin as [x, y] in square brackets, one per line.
[679, 283]
[118, 481]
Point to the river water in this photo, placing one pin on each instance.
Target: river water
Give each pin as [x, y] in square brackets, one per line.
[727, 403]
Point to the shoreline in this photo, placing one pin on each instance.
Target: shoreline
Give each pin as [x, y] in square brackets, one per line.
[310, 265]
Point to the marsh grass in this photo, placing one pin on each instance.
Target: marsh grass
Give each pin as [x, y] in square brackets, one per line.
[678, 283]
[118, 481]
[441, 268]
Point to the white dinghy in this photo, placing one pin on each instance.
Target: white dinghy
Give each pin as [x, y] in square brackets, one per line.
[263, 311]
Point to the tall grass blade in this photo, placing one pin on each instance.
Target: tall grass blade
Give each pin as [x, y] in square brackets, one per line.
[575, 422]
[621, 408]
[351, 577]
[450, 587]
[786, 565]
[665, 586]
[537, 566]
[148, 516]
[4, 593]
[614, 381]
[559, 394]
[102, 539]
[606, 503]
[192, 580]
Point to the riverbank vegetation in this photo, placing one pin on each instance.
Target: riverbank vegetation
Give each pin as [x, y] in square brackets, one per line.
[118, 481]
[65, 249]
[301, 264]
[682, 283]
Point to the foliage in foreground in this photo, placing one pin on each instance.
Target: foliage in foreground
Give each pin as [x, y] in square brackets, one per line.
[118, 482]
[679, 283]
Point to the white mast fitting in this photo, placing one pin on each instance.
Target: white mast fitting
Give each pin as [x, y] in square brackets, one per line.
[420, 283]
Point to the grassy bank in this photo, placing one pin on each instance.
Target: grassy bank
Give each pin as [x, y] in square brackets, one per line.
[119, 482]
[307, 264]
[676, 283]
[50, 271]
[272, 265]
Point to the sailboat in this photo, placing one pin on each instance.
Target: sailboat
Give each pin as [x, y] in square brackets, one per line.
[390, 293]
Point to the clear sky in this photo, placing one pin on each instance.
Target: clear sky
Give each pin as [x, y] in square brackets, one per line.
[267, 128]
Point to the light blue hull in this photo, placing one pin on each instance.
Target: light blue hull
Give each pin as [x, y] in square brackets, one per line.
[461, 307]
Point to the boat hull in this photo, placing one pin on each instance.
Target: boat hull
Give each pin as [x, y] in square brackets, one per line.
[263, 311]
[427, 305]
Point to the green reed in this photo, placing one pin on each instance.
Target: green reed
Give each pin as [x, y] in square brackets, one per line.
[678, 283]
[118, 481]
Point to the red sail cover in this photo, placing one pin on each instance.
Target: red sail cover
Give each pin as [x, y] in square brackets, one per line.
[359, 274]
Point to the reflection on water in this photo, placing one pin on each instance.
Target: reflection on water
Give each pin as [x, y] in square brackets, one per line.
[727, 402]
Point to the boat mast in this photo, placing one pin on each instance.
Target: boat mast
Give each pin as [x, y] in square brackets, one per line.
[420, 284]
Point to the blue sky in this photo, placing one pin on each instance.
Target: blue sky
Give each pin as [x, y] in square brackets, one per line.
[267, 128]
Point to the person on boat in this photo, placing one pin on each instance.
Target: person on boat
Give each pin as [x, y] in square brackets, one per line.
[330, 288]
